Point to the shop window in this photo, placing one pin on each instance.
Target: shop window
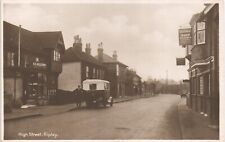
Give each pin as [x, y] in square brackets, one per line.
[10, 59]
[36, 59]
[201, 85]
[53, 80]
[206, 84]
[56, 55]
[193, 87]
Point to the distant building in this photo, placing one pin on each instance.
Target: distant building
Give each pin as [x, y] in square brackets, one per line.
[32, 63]
[133, 83]
[115, 72]
[204, 63]
[78, 66]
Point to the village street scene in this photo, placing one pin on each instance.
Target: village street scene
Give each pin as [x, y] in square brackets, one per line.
[111, 71]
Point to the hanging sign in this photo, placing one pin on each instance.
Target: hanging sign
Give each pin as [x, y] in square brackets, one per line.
[180, 61]
[39, 65]
[185, 37]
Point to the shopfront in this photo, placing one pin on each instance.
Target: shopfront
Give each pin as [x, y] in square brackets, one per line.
[35, 85]
[31, 68]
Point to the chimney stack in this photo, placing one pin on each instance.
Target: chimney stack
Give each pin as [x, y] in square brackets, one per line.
[114, 55]
[77, 43]
[88, 48]
[100, 52]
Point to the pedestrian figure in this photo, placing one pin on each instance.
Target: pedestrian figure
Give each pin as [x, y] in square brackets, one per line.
[78, 95]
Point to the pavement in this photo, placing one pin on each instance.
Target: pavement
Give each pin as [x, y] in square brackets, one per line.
[37, 111]
[195, 125]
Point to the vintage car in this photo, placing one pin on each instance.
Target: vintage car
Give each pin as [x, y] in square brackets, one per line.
[97, 92]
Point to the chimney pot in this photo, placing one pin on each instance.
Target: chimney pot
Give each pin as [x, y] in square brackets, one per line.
[88, 48]
[114, 55]
[100, 52]
[77, 43]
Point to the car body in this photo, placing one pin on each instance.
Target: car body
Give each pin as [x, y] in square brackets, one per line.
[97, 92]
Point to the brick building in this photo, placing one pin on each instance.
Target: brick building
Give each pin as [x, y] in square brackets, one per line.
[133, 83]
[115, 72]
[32, 63]
[78, 66]
[204, 63]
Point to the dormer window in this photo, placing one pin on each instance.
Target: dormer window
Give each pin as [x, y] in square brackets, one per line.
[56, 55]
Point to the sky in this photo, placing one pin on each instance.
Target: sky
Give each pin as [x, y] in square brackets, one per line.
[145, 36]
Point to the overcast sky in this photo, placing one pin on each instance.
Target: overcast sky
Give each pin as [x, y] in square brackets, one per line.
[145, 36]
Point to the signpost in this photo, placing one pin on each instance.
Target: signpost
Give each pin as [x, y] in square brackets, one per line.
[185, 37]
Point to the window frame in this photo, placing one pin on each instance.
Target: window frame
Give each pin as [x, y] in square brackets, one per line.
[10, 59]
[199, 31]
[56, 55]
[87, 71]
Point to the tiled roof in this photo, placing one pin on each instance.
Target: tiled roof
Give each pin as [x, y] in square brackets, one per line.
[32, 41]
[74, 55]
[194, 18]
[108, 59]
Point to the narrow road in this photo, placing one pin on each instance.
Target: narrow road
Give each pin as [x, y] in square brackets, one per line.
[146, 118]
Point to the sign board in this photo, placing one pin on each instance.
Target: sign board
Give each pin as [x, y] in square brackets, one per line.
[185, 37]
[180, 61]
[39, 65]
[186, 81]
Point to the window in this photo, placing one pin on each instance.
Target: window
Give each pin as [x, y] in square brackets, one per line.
[194, 31]
[206, 84]
[25, 61]
[97, 73]
[199, 33]
[10, 59]
[93, 86]
[100, 73]
[193, 87]
[117, 70]
[87, 71]
[94, 73]
[103, 74]
[201, 85]
[56, 55]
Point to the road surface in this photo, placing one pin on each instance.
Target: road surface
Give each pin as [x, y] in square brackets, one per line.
[146, 118]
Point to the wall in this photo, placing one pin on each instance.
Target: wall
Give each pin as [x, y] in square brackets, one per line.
[9, 86]
[70, 77]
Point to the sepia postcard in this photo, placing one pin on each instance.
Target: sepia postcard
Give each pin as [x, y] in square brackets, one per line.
[112, 70]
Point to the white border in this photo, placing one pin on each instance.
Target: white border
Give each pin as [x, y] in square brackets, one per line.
[221, 52]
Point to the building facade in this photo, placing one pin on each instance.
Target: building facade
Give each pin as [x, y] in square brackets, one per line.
[79, 66]
[204, 63]
[32, 63]
[115, 72]
[133, 83]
